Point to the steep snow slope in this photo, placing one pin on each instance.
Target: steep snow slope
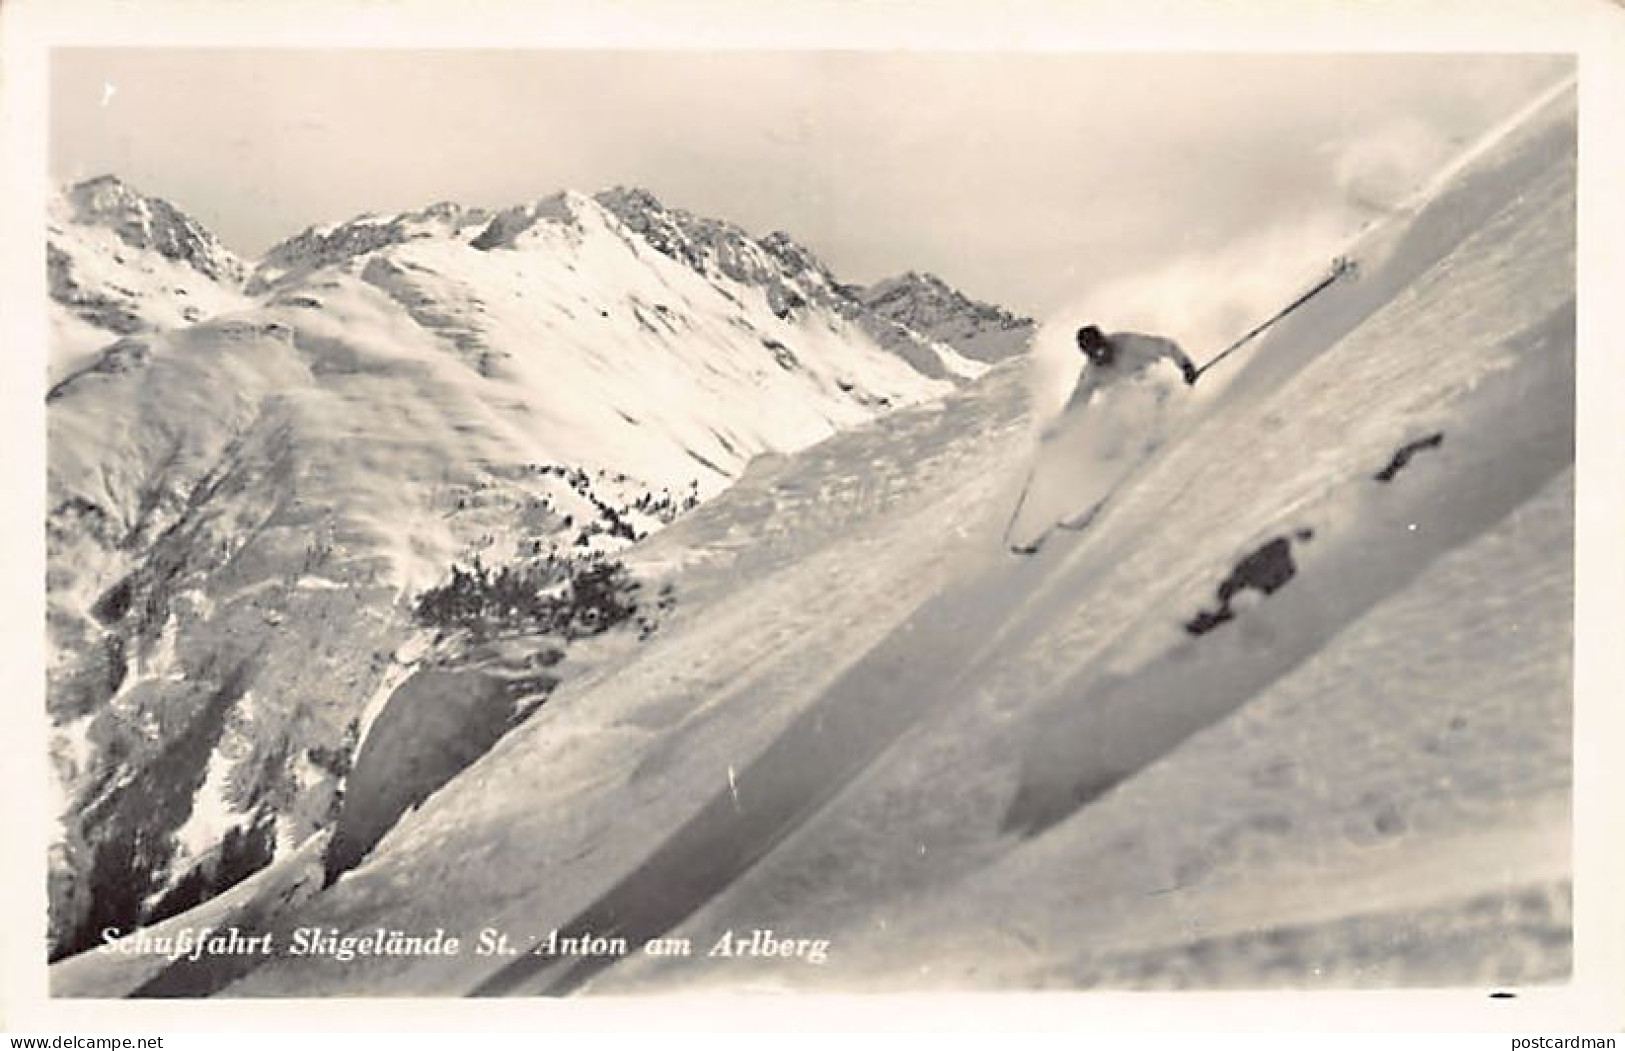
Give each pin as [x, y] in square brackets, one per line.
[242, 509]
[122, 263]
[1383, 793]
[1294, 710]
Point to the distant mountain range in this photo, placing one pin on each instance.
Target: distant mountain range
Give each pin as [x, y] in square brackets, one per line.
[256, 467]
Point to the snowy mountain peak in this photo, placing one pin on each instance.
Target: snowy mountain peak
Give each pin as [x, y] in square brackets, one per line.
[923, 296]
[319, 246]
[119, 262]
[711, 246]
[929, 305]
[569, 209]
[152, 223]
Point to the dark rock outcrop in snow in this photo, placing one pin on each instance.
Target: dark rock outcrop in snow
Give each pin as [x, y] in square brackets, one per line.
[432, 727]
[1265, 570]
[1402, 455]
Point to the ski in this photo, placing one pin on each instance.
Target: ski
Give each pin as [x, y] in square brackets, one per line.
[1075, 524]
[1078, 523]
[1021, 502]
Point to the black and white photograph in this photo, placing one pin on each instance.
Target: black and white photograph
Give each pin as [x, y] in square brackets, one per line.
[540, 522]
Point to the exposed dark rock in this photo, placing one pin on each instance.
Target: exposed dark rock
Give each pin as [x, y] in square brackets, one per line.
[430, 730]
[1403, 454]
[1264, 570]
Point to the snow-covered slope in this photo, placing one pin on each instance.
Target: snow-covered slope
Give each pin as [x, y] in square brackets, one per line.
[1361, 777]
[243, 509]
[122, 263]
[1294, 710]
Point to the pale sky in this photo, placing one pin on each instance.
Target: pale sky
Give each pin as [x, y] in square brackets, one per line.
[1023, 179]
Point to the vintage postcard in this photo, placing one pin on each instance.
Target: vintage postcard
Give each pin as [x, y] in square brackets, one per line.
[546, 509]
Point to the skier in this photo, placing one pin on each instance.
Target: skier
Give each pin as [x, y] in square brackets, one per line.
[1131, 351]
[1121, 356]
[1118, 413]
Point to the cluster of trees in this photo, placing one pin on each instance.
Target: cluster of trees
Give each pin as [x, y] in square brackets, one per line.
[664, 506]
[610, 519]
[561, 596]
[570, 592]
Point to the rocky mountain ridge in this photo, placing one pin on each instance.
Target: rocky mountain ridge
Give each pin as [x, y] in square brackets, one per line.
[924, 303]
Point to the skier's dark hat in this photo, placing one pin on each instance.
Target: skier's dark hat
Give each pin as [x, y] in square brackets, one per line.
[1095, 345]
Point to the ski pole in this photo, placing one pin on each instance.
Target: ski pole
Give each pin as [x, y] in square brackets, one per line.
[1021, 501]
[1339, 267]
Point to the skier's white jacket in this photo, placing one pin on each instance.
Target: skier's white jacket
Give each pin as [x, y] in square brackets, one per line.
[1134, 352]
